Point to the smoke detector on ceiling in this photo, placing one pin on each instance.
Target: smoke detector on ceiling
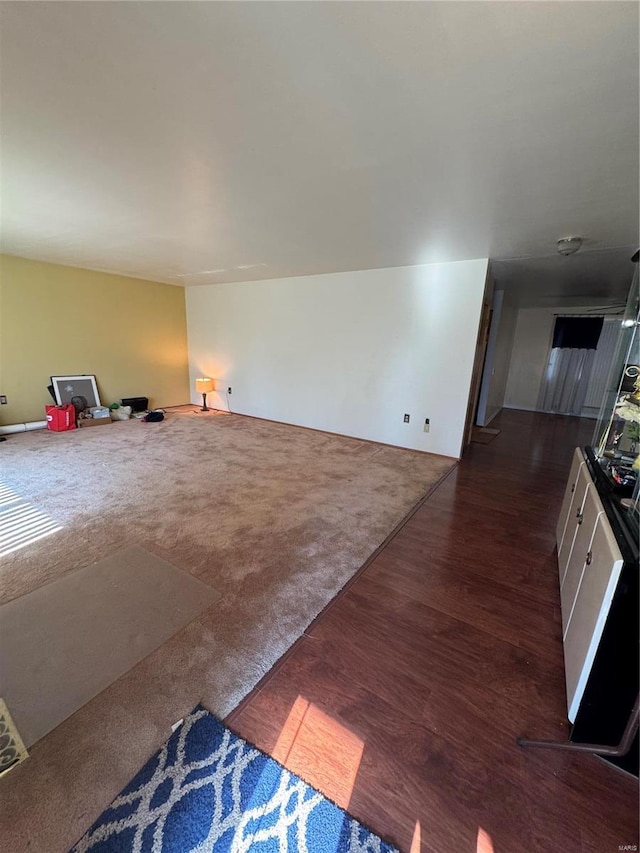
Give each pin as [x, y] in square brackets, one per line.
[569, 245]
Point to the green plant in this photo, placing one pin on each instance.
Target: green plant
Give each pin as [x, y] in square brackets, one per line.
[633, 431]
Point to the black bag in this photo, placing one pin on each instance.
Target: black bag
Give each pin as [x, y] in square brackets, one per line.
[152, 417]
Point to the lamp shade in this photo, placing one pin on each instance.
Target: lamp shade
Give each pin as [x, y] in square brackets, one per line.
[204, 385]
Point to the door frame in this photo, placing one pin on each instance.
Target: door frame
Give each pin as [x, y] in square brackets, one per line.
[482, 340]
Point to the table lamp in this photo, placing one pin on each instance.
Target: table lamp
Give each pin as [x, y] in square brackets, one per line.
[203, 386]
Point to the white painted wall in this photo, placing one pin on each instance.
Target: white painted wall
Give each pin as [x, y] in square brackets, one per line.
[498, 359]
[501, 359]
[346, 352]
[530, 354]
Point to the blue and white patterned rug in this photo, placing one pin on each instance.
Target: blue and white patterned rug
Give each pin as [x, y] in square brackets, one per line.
[207, 789]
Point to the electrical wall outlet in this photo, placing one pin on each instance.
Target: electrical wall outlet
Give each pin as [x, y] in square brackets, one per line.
[3, 400]
[229, 390]
[406, 419]
[426, 424]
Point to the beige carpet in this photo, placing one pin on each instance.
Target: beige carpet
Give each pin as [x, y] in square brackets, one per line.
[65, 642]
[275, 518]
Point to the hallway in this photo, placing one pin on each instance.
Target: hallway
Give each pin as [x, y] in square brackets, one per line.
[404, 698]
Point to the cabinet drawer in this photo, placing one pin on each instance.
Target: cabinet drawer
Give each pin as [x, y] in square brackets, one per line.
[575, 510]
[578, 462]
[586, 528]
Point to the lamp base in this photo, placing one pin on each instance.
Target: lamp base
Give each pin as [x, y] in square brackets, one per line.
[204, 408]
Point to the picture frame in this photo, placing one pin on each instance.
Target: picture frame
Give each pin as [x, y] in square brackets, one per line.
[85, 385]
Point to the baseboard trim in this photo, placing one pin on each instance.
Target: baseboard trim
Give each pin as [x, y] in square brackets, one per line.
[329, 432]
[589, 416]
[491, 418]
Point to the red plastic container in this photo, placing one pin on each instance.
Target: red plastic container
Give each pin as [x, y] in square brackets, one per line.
[61, 418]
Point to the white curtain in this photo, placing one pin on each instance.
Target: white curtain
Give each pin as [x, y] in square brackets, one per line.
[564, 385]
[602, 363]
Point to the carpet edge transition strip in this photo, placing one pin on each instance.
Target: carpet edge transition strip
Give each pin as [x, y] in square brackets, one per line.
[235, 712]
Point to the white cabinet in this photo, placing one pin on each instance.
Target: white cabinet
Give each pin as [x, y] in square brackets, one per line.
[578, 463]
[590, 609]
[582, 537]
[589, 563]
[575, 496]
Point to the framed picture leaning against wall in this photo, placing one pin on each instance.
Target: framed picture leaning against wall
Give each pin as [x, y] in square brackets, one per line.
[66, 387]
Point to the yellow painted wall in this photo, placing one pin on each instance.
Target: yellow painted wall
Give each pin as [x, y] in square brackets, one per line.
[57, 320]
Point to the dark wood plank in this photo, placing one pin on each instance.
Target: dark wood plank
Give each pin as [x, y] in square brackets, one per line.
[444, 648]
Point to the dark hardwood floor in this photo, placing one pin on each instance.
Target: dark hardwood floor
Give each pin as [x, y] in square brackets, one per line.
[404, 698]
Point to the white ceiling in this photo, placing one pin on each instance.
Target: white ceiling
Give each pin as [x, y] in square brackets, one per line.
[587, 278]
[207, 142]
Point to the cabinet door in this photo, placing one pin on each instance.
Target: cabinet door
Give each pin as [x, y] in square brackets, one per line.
[575, 511]
[576, 465]
[599, 581]
[586, 528]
